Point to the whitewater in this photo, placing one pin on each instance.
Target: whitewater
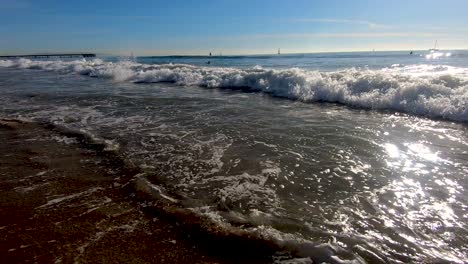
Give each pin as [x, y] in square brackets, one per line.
[335, 157]
[428, 90]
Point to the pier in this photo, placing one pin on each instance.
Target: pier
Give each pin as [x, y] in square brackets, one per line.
[44, 56]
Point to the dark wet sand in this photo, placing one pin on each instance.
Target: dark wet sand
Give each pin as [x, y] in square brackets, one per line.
[76, 203]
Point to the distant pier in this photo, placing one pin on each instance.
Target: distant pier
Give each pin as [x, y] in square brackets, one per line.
[44, 56]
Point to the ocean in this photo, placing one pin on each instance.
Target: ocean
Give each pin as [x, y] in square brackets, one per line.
[338, 157]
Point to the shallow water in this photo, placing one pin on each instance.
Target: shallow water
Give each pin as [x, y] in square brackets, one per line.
[338, 164]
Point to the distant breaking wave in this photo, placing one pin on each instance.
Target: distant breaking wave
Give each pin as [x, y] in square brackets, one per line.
[426, 90]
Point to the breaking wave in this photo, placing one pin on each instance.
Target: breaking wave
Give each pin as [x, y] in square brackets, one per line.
[426, 90]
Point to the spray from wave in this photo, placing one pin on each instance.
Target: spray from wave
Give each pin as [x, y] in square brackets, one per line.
[426, 90]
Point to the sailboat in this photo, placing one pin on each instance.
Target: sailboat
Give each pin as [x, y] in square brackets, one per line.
[279, 51]
[435, 47]
[435, 53]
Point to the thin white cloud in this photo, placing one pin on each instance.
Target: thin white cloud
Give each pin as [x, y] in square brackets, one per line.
[369, 24]
[341, 35]
[374, 25]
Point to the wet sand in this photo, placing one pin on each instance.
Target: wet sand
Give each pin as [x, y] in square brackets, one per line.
[65, 200]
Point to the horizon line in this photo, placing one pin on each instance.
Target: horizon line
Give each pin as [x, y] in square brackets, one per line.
[227, 54]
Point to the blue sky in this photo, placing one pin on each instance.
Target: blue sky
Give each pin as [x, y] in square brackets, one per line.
[154, 27]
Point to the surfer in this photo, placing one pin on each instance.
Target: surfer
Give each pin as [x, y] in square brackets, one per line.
[411, 53]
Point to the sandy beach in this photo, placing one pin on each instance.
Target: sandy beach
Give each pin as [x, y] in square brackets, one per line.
[343, 157]
[63, 202]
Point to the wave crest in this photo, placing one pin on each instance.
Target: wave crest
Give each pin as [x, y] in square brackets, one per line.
[433, 91]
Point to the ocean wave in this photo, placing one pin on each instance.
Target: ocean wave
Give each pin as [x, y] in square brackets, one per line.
[426, 90]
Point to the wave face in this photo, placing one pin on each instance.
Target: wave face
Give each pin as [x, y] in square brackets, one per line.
[426, 90]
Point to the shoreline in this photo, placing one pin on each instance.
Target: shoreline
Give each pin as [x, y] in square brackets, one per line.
[63, 202]
[237, 172]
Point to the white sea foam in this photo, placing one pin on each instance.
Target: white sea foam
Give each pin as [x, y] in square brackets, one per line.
[306, 250]
[428, 90]
[146, 186]
[69, 197]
